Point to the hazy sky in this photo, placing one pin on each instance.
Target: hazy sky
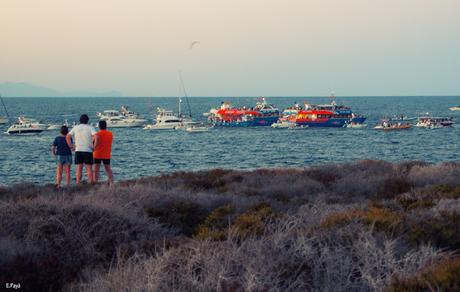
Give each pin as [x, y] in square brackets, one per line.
[247, 47]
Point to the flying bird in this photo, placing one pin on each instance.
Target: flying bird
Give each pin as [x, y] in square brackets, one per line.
[192, 44]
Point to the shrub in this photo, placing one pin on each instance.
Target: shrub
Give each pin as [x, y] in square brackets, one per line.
[253, 221]
[393, 186]
[441, 231]
[184, 216]
[382, 219]
[441, 276]
[215, 225]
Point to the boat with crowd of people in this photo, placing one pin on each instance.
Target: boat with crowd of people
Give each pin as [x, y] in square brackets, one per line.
[262, 114]
[326, 115]
[434, 122]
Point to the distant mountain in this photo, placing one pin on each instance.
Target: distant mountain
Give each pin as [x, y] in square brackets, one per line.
[21, 89]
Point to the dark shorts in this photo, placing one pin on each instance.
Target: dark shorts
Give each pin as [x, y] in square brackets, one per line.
[64, 159]
[84, 158]
[99, 160]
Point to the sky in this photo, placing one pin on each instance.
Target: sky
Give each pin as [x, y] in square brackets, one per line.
[246, 47]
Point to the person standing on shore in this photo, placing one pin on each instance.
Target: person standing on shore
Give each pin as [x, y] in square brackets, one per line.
[62, 151]
[103, 151]
[80, 139]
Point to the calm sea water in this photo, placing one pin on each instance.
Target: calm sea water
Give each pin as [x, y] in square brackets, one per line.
[138, 152]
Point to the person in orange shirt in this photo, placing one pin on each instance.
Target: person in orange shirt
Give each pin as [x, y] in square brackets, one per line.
[103, 151]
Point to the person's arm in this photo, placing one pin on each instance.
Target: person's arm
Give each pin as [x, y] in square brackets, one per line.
[53, 147]
[68, 139]
[95, 140]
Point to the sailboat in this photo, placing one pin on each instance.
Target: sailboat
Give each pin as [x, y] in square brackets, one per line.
[5, 119]
[168, 120]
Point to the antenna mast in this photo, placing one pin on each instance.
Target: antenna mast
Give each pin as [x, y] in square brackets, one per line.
[185, 93]
[4, 106]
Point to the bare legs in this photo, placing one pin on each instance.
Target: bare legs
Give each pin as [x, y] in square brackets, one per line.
[89, 172]
[96, 172]
[79, 170]
[58, 175]
[59, 169]
[108, 171]
[67, 174]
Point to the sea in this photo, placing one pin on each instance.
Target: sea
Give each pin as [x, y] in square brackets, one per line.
[138, 152]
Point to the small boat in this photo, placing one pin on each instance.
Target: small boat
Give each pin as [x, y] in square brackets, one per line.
[434, 122]
[388, 125]
[299, 127]
[283, 124]
[398, 126]
[355, 125]
[52, 127]
[168, 120]
[197, 129]
[455, 108]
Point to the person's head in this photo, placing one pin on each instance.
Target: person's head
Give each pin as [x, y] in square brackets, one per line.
[64, 130]
[102, 125]
[84, 119]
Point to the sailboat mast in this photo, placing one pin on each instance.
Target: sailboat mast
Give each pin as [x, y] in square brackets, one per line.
[4, 106]
[185, 93]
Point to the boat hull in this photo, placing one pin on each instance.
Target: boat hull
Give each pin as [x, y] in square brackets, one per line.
[135, 124]
[256, 122]
[24, 132]
[329, 123]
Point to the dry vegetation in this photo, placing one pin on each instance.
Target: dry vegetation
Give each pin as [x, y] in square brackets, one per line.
[365, 226]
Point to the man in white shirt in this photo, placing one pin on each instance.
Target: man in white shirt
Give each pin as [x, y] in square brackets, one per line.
[81, 140]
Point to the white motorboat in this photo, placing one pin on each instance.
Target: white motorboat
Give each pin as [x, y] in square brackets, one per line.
[197, 129]
[123, 122]
[455, 108]
[121, 119]
[26, 127]
[53, 127]
[355, 126]
[168, 120]
[283, 124]
[298, 127]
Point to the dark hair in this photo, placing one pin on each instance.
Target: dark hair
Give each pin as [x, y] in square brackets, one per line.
[102, 125]
[64, 130]
[84, 119]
